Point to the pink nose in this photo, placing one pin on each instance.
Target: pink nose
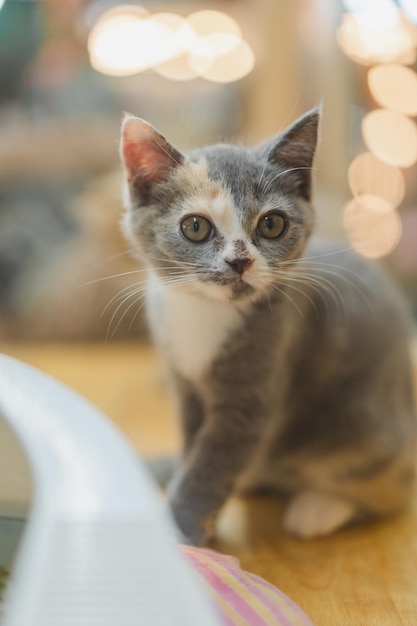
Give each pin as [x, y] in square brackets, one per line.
[239, 265]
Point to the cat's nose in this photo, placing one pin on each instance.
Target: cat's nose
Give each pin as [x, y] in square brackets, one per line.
[239, 264]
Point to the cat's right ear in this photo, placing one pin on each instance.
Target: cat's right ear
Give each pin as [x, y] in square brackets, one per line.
[148, 158]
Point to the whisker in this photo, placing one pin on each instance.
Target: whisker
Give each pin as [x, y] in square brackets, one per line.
[122, 291]
[113, 258]
[307, 260]
[189, 282]
[306, 295]
[137, 271]
[325, 267]
[334, 270]
[317, 256]
[139, 293]
[98, 280]
[136, 314]
[124, 300]
[270, 182]
[180, 263]
[120, 294]
[291, 278]
[142, 295]
[318, 287]
[268, 298]
[284, 293]
[357, 288]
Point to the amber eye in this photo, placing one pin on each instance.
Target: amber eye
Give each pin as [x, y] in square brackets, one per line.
[196, 228]
[272, 225]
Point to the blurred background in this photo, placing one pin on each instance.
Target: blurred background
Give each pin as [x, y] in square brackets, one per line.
[201, 72]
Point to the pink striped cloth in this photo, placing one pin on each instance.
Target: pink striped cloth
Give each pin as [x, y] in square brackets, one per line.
[243, 599]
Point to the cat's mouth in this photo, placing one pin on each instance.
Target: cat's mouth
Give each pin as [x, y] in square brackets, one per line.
[236, 288]
[240, 285]
[240, 288]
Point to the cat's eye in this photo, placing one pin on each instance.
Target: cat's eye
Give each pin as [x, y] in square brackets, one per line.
[196, 228]
[272, 225]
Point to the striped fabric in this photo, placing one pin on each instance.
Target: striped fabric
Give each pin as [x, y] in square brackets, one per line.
[243, 599]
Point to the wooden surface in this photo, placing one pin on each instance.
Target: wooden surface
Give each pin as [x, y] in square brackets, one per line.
[361, 576]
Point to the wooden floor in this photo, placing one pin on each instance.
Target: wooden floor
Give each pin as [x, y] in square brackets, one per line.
[362, 576]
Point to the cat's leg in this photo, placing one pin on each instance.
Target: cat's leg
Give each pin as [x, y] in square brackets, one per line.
[209, 473]
[311, 514]
[190, 411]
[346, 488]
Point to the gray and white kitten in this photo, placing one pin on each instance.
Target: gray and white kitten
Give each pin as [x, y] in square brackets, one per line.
[288, 361]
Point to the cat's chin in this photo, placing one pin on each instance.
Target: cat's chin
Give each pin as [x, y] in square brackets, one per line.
[239, 291]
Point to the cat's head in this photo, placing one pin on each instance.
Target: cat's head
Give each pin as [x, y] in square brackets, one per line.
[223, 220]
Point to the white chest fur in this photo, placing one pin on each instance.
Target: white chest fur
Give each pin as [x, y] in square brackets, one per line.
[189, 328]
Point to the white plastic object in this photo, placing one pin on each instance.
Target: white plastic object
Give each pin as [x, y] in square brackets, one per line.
[98, 547]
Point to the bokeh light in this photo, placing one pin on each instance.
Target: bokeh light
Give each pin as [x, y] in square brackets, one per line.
[222, 58]
[368, 175]
[208, 44]
[369, 41]
[372, 232]
[391, 137]
[395, 87]
[410, 9]
[210, 22]
[181, 33]
[121, 44]
[376, 32]
[183, 37]
[178, 68]
[378, 13]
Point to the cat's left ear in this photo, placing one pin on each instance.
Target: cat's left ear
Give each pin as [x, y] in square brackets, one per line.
[294, 150]
[147, 156]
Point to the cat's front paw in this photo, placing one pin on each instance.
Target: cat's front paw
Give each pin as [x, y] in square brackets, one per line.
[191, 530]
[314, 514]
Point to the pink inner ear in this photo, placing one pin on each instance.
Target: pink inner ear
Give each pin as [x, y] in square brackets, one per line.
[145, 152]
[140, 159]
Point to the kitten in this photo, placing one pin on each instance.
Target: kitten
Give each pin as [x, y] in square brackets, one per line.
[289, 362]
